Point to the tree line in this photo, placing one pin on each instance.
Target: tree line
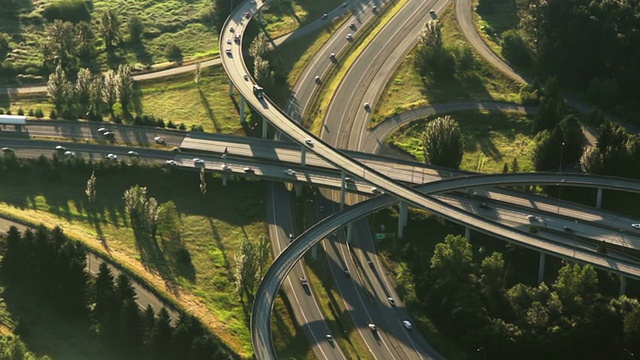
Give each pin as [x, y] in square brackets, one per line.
[52, 267]
[469, 297]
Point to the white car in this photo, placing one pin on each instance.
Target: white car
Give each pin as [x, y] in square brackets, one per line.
[159, 140]
[407, 324]
[290, 172]
[317, 79]
[133, 153]
[229, 41]
[198, 161]
[108, 134]
[172, 162]
[330, 339]
[245, 77]
[69, 153]
[309, 142]
[367, 106]
[7, 149]
[112, 156]
[304, 281]
[101, 130]
[372, 327]
[375, 190]
[248, 170]
[226, 167]
[60, 148]
[635, 226]
[533, 218]
[392, 301]
[332, 56]
[349, 37]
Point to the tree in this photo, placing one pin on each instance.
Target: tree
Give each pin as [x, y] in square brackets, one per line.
[546, 154]
[136, 29]
[110, 29]
[96, 95]
[85, 42]
[591, 161]
[443, 143]
[203, 182]
[262, 72]
[174, 53]
[505, 168]
[134, 200]
[124, 86]
[57, 88]
[574, 285]
[168, 219]
[90, 190]
[110, 89]
[58, 46]
[259, 46]
[103, 292]
[161, 338]
[123, 291]
[515, 167]
[83, 88]
[431, 35]
[198, 72]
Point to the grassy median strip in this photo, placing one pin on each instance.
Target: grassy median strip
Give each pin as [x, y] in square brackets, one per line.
[314, 119]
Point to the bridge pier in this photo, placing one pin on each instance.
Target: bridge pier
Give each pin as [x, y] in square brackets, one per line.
[623, 285]
[349, 232]
[599, 199]
[303, 156]
[224, 179]
[230, 88]
[467, 233]
[297, 187]
[265, 127]
[241, 110]
[541, 263]
[403, 210]
[260, 16]
[343, 187]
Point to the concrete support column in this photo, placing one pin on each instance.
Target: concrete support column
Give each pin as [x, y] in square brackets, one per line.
[224, 179]
[402, 218]
[265, 127]
[623, 285]
[599, 199]
[343, 187]
[242, 119]
[260, 16]
[230, 88]
[349, 232]
[303, 156]
[298, 188]
[467, 233]
[541, 263]
[314, 251]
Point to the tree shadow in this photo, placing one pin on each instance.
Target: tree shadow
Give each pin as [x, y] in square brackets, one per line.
[152, 257]
[205, 102]
[174, 247]
[220, 244]
[141, 53]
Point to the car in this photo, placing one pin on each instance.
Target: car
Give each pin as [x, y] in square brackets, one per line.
[374, 9]
[248, 170]
[324, 16]
[112, 156]
[372, 327]
[329, 338]
[367, 106]
[290, 172]
[309, 142]
[370, 263]
[392, 301]
[347, 273]
[349, 180]
[69, 153]
[352, 26]
[226, 167]
[567, 228]
[231, 29]
[375, 190]
[635, 226]
[133, 153]
[198, 161]
[332, 56]
[7, 149]
[245, 77]
[317, 80]
[533, 218]
[172, 162]
[432, 13]
[159, 140]
[236, 38]
[227, 51]
[344, 5]
[304, 281]
[60, 148]
[484, 206]
[349, 37]
[407, 324]
[291, 237]
[229, 41]
[258, 91]
[108, 134]
[102, 129]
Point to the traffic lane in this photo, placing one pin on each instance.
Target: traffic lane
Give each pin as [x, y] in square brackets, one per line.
[306, 311]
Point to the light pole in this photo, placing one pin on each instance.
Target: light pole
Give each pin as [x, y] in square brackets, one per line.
[561, 154]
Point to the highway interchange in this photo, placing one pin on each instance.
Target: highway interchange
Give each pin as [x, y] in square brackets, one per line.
[270, 159]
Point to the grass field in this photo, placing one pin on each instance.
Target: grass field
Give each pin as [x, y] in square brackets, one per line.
[491, 139]
[283, 17]
[177, 98]
[211, 228]
[406, 89]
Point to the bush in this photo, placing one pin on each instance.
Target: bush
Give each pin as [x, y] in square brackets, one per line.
[515, 49]
[31, 113]
[174, 53]
[39, 114]
[171, 125]
[182, 126]
[1, 111]
[183, 256]
[8, 112]
[20, 112]
[53, 115]
[67, 10]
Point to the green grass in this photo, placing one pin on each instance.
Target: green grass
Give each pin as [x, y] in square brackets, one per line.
[283, 17]
[491, 139]
[406, 90]
[494, 20]
[177, 98]
[212, 227]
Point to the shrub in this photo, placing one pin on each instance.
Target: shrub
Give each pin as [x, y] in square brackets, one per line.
[67, 10]
[53, 115]
[1, 111]
[182, 126]
[8, 112]
[39, 114]
[31, 113]
[20, 112]
[174, 53]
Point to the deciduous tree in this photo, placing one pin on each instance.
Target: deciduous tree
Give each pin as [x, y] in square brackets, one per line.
[443, 143]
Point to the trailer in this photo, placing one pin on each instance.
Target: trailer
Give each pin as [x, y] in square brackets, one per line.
[13, 120]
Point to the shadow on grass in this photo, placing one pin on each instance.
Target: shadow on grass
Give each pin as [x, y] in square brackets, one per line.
[153, 258]
[212, 116]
